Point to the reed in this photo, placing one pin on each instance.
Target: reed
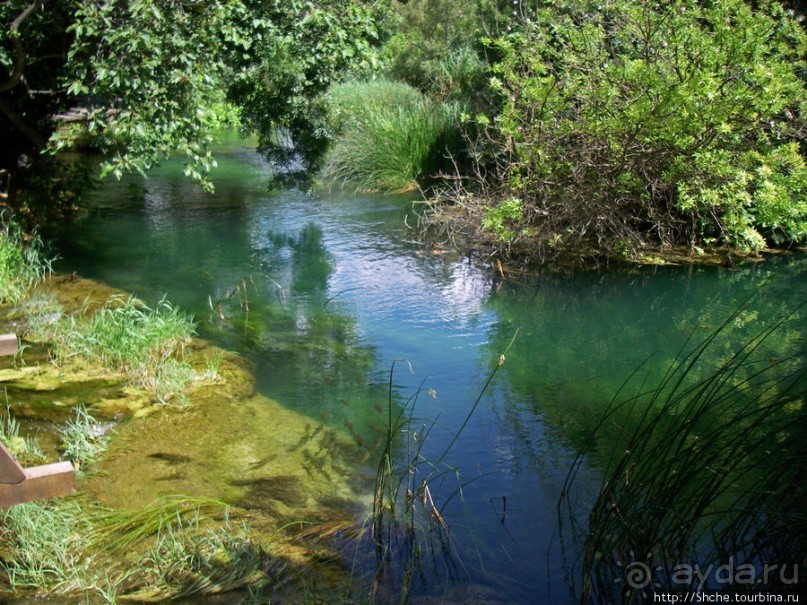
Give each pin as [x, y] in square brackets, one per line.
[389, 136]
[411, 493]
[711, 471]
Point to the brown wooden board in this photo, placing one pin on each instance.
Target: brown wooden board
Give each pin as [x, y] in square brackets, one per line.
[8, 344]
[41, 482]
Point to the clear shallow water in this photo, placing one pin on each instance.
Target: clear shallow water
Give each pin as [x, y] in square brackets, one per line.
[323, 293]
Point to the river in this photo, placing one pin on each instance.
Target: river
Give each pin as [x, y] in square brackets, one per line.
[325, 293]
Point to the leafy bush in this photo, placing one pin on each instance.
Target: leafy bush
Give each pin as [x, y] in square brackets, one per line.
[389, 136]
[664, 123]
[500, 219]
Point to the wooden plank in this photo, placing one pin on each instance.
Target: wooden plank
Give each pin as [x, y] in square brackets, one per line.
[8, 344]
[10, 470]
[41, 482]
[17, 484]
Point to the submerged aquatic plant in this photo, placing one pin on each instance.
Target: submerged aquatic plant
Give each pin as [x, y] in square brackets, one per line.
[183, 555]
[166, 551]
[713, 471]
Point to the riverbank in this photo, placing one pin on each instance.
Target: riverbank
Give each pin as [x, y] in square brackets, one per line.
[199, 509]
[460, 227]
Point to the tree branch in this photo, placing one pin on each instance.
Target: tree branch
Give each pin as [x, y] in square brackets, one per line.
[31, 133]
[19, 49]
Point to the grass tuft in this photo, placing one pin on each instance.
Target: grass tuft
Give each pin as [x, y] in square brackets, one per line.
[126, 335]
[22, 263]
[43, 547]
[389, 137]
[81, 441]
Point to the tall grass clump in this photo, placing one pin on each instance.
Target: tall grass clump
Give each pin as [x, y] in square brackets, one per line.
[42, 545]
[22, 263]
[126, 335]
[711, 472]
[389, 137]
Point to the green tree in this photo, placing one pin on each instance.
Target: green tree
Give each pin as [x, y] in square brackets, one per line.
[147, 72]
[33, 42]
[629, 123]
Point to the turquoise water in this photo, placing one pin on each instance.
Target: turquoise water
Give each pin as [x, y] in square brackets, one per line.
[325, 292]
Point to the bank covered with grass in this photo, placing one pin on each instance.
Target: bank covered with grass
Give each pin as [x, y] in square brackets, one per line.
[167, 504]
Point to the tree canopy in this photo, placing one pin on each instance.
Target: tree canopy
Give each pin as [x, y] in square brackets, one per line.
[577, 123]
[147, 74]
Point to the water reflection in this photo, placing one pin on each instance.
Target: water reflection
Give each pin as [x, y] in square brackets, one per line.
[584, 338]
[323, 293]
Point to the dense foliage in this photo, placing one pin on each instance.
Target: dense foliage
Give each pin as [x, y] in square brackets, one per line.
[637, 122]
[613, 126]
[437, 46]
[146, 74]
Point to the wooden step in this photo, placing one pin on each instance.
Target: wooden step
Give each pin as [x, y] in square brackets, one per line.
[18, 484]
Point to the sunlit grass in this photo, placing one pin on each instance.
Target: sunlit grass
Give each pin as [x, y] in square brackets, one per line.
[42, 544]
[125, 335]
[389, 136]
[81, 442]
[22, 263]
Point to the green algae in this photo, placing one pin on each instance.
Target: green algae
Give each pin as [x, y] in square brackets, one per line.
[252, 453]
[289, 478]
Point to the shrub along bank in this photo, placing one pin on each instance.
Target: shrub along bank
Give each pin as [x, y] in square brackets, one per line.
[611, 129]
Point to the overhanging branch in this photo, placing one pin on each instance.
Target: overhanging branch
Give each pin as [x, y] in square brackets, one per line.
[19, 49]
